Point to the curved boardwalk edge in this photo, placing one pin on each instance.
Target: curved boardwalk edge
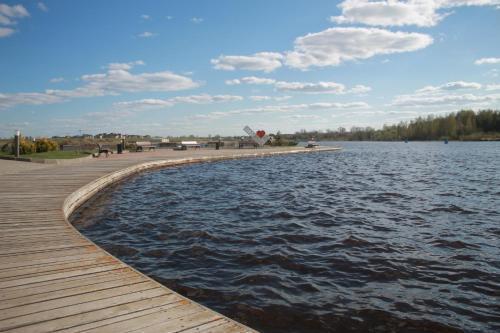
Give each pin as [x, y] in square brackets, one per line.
[54, 279]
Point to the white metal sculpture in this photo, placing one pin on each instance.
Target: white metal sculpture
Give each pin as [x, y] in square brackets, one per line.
[260, 137]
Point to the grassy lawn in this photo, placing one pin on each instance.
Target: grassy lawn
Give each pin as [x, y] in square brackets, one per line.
[54, 155]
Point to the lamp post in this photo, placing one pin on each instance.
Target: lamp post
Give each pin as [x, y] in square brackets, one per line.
[121, 145]
[18, 139]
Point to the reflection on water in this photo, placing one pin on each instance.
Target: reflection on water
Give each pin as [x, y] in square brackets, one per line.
[379, 237]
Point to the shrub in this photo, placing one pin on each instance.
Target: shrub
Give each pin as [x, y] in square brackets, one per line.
[279, 141]
[7, 148]
[26, 147]
[43, 145]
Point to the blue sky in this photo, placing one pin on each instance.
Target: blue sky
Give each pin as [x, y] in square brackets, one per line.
[212, 67]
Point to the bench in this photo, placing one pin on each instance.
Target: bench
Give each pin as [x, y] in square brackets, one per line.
[180, 147]
[143, 145]
[102, 150]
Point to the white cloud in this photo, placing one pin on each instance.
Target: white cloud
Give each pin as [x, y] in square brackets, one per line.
[6, 32]
[10, 100]
[233, 82]
[492, 73]
[162, 103]
[312, 88]
[388, 13]
[116, 80]
[197, 20]
[9, 14]
[449, 94]
[302, 116]
[360, 89]
[121, 80]
[284, 108]
[260, 98]
[251, 80]
[124, 65]
[459, 3]
[458, 100]
[206, 99]
[43, 7]
[144, 104]
[168, 17]
[450, 86]
[491, 87]
[269, 98]
[329, 47]
[282, 98]
[487, 61]
[350, 105]
[263, 109]
[333, 46]
[147, 34]
[422, 13]
[263, 61]
[56, 80]
[321, 87]
[145, 17]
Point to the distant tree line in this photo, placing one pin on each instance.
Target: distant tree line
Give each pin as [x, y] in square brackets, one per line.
[462, 125]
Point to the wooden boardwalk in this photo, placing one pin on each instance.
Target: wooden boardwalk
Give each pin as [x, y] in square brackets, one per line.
[53, 279]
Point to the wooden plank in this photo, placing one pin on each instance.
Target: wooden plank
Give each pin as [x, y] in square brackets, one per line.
[67, 301]
[138, 323]
[182, 323]
[17, 323]
[40, 234]
[51, 286]
[8, 274]
[217, 326]
[12, 264]
[102, 319]
[42, 244]
[26, 229]
[93, 319]
[61, 275]
[60, 229]
[49, 254]
[85, 289]
[206, 326]
[227, 328]
[26, 250]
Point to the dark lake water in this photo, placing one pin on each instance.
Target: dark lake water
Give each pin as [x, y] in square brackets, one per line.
[380, 237]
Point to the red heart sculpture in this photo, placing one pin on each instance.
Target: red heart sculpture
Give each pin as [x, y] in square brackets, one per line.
[261, 133]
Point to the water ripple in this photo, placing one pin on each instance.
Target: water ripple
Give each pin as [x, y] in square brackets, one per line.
[382, 237]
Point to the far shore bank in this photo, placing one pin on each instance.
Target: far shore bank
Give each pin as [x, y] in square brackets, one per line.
[449, 140]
